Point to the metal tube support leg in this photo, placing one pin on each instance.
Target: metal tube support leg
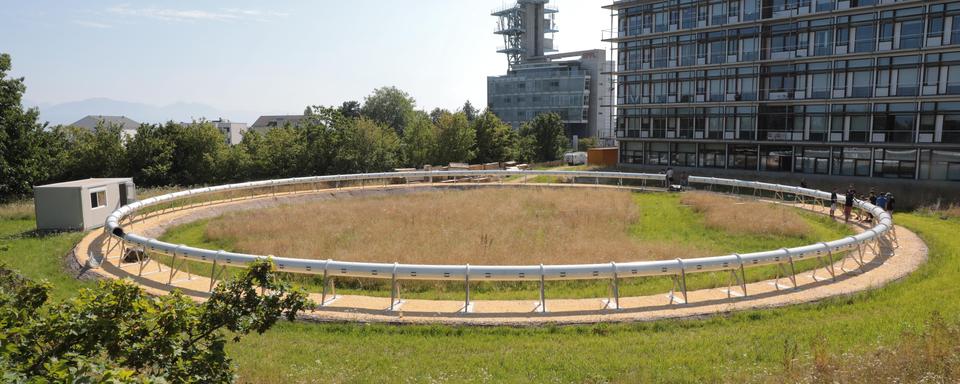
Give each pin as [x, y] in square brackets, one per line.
[616, 286]
[683, 283]
[393, 288]
[173, 269]
[215, 274]
[326, 283]
[793, 273]
[466, 290]
[543, 298]
[144, 260]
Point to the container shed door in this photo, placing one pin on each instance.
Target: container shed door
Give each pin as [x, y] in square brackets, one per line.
[123, 194]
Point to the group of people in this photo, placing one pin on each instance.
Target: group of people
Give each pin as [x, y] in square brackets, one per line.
[883, 200]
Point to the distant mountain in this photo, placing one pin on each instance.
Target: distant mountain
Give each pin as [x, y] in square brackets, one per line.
[67, 113]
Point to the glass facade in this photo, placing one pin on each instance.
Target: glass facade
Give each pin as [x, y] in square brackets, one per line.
[530, 90]
[852, 88]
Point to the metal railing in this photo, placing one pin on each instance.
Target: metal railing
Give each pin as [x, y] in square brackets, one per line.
[735, 264]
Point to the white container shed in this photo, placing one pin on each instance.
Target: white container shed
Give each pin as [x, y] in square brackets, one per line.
[82, 204]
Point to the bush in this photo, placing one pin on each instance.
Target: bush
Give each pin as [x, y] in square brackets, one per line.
[117, 333]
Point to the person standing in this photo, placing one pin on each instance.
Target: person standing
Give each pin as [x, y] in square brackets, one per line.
[833, 204]
[881, 201]
[889, 203]
[851, 197]
[669, 177]
[873, 201]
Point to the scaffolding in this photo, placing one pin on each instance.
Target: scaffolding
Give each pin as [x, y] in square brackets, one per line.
[527, 27]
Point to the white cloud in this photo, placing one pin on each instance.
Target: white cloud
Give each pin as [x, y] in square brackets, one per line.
[180, 15]
[92, 24]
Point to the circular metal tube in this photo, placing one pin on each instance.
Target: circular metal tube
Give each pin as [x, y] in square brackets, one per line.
[497, 272]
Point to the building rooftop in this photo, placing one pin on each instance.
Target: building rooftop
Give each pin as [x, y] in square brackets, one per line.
[86, 183]
[277, 121]
[91, 122]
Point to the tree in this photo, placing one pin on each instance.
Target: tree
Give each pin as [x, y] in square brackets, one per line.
[546, 135]
[199, 148]
[496, 141]
[587, 143]
[149, 156]
[350, 109]
[437, 113]
[320, 140]
[27, 150]
[118, 333]
[420, 141]
[97, 153]
[469, 111]
[276, 154]
[367, 146]
[389, 106]
[456, 139]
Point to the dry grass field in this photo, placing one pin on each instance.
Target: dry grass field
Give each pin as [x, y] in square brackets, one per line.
[455, 227]
[747, 216]
[20, 210]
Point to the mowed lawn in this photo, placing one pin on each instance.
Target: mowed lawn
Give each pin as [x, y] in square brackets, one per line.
[39, 257]
[753, 346]
[660, 223]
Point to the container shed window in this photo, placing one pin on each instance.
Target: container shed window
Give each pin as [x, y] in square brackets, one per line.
[98, 199]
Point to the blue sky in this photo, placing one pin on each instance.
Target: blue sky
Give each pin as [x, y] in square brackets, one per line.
[267, 57]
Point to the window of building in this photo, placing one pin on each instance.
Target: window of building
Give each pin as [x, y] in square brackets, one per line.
[823, 42]
[955, 30]
[851, 161]
[776, 159]
[748, 47]
[784, 38]
[688, 54]
[865, 40]
[713, 156]
[862, 84]
[953, 79]
[824, 5]
[951, 127]
[688, 17]
[743, 157]
[894, 123]
[818, 123]
[895, 163]
[98, 199]
[908, 82]
[657, 153]
[748, 123]
[718, 14]
[751, 10]
[684, 155]
[940, 165]
[715, 123]
[813, 160]
[911, 34]
[631, 152]
[820, 86]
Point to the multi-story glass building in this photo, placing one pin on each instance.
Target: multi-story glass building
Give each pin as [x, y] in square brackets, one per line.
[577, 86]
[848, 88]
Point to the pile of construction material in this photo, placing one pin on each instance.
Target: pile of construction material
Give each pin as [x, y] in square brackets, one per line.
[509, 165]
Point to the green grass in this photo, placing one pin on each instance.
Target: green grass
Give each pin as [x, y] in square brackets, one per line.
[663, 219]
[39, 257]
[747, 346]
